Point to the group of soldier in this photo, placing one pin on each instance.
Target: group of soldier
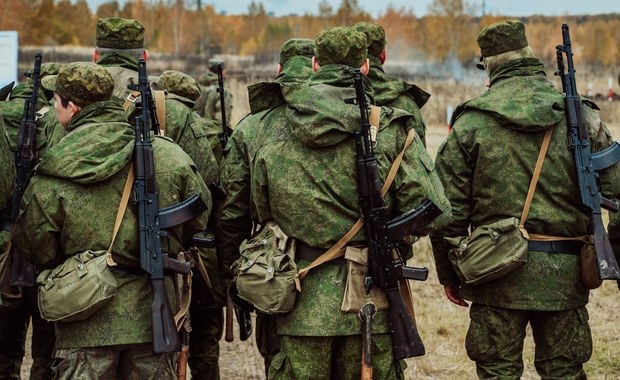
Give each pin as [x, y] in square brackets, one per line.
[292, 161]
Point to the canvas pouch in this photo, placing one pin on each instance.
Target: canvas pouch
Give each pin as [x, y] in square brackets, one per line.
[265, 271]
[77, 288]
[490, 252]
[588, 266]
[355, 295]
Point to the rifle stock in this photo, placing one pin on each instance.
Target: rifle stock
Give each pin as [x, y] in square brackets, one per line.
[587, 163]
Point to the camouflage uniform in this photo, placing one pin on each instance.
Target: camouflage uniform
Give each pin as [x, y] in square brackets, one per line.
[208, 104]
[389, 91]
[66, 210]
[16, 313]
[234, 222]
[304, 178]
[501, 132]
[194, 135]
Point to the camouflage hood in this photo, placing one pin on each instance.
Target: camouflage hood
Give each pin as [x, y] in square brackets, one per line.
[317, 112]
[387, 89]
[91, 152]
[517, 82]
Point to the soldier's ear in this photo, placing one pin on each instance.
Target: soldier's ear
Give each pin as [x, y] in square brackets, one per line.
[96, 55]
[279, 69]
[383, 56]
[365, 68]
[315, 64]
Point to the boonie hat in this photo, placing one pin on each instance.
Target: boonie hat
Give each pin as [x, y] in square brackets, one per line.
[82, 83]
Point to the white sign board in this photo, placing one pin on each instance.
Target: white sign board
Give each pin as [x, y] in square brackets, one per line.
[8, 57]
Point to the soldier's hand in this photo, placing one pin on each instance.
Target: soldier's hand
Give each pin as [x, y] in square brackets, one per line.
[453, 294]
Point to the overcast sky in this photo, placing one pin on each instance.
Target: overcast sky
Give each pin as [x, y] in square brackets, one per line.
[419, 7]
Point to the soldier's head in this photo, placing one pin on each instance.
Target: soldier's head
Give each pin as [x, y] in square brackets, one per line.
[76, 86]
[178, 83]
[213, 62]
[342, 46]
[500, 42]
[300, 50]
[114, 34]
[376, 38]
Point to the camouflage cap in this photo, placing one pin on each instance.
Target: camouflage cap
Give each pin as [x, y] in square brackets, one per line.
[179, 83]
[502, 37]
[375, 34]
[48, 68]
[341, 45]
[82, 83]
[119, 33]
[295, 47]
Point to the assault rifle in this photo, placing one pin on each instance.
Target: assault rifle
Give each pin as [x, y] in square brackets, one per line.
[151, 220]
[385, 237]
[587, 164]
[220, 90]
[22, 272]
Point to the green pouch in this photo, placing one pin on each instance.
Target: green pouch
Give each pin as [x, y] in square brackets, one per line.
[489, 252]
[77, 288]
[265, 272]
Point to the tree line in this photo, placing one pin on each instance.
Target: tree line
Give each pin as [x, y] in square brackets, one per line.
[448, 31]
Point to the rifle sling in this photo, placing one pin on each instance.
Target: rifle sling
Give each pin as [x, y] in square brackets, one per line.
[119, 215]
[337, 250]
[160, 106]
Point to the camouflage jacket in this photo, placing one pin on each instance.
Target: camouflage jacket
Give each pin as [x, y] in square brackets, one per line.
[7, 167]
[304, 178]
[235, 217]
[193, 134]
[70, 206]
[486, 165]
[392, 92]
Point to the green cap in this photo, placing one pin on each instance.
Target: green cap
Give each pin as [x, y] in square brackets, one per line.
[47, 68]
[341, 45]
[375, 34]
[502, 37]
[120, 33]
[178, 83]
[82, 83]
[295, 47]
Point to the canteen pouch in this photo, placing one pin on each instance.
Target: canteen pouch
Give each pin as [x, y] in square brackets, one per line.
[265, 271]
[588, 266]
[355, 291]
[77, 288]
[489, 252]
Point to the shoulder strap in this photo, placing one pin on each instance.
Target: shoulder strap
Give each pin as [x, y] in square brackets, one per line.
[534, 181]
[119, 215]
[337, 250]
[160, 104]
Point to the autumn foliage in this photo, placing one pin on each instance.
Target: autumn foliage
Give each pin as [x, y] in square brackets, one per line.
[448, 31]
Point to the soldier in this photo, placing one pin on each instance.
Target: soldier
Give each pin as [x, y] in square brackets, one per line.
[87, 170]
[304, 180]
[486, 166]
[234, 222]
[389, 91]
[197, 136]
[16, 312]
[208, 104]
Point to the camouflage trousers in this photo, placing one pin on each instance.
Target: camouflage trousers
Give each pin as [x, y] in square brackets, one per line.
[15, 317]
[563, 342]
[204, 346]
[335, 357]
[113, 363]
